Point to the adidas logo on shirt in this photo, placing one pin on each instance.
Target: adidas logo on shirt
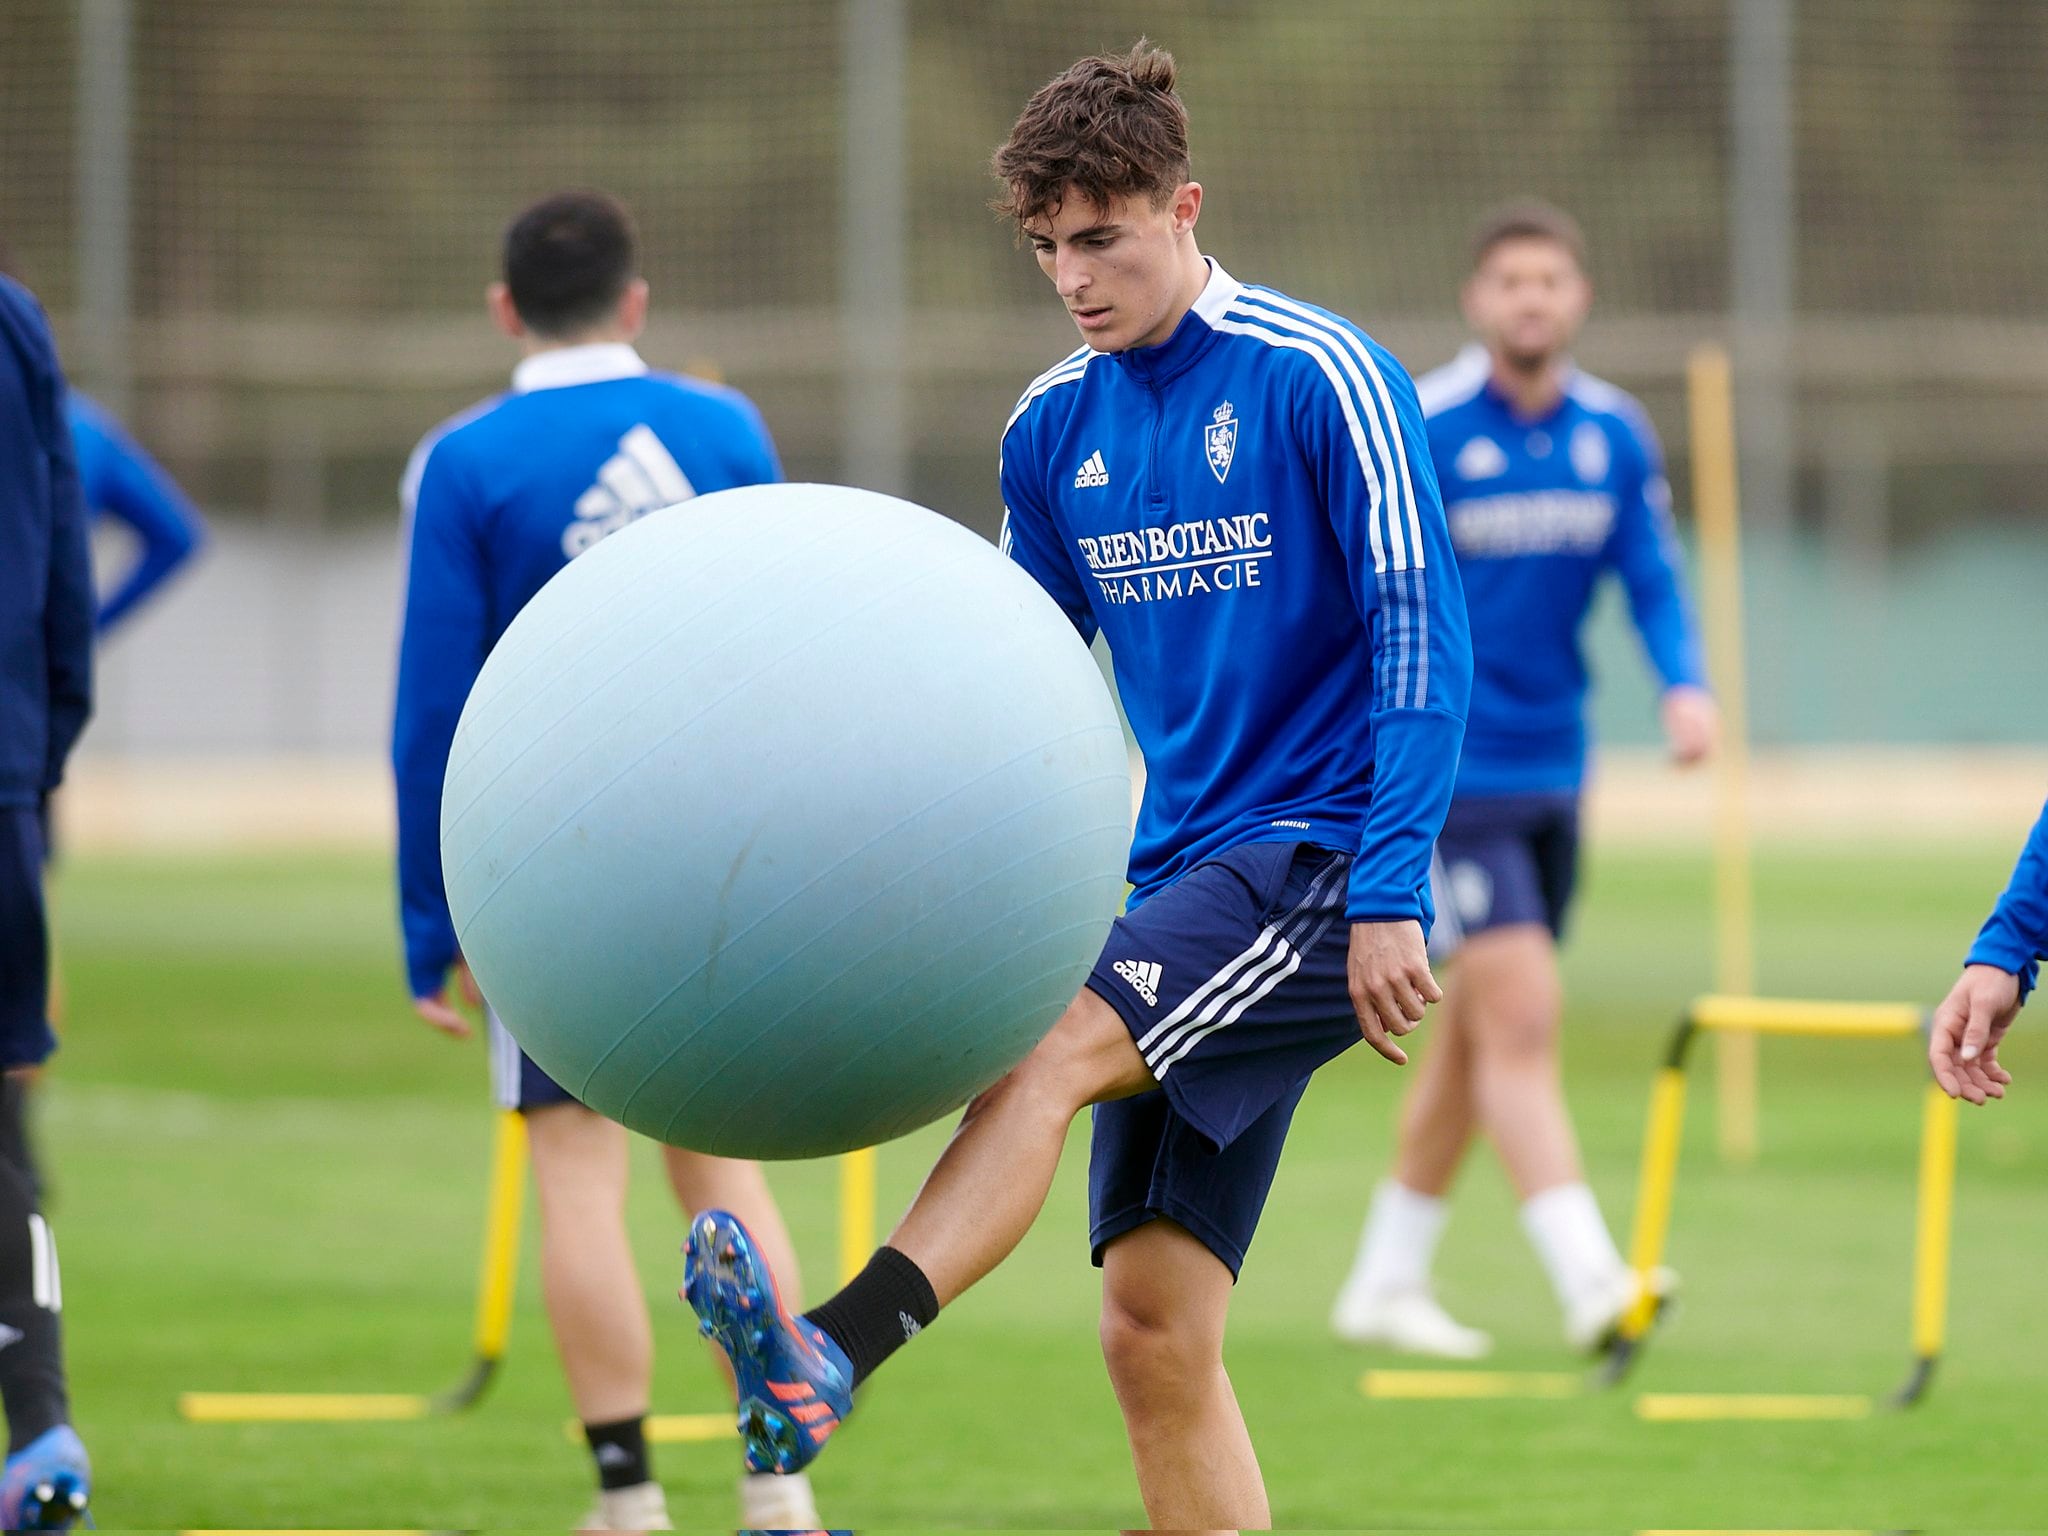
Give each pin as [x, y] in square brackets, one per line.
[1144, 977]
[642, 477]
[911, 1326]
[1092, 474]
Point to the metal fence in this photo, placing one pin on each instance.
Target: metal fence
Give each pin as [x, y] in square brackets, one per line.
[265, 229]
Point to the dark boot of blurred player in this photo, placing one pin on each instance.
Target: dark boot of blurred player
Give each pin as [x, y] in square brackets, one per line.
[1551, 479]
[46, 617]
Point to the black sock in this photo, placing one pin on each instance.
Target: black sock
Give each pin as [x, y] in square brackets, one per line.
[878, 1311]
[31, 1337]
[620, 1451]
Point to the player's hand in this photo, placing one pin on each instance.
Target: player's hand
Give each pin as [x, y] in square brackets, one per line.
[1962, 1048]
[1692, 724]
[1390, 983]
[444, 1016]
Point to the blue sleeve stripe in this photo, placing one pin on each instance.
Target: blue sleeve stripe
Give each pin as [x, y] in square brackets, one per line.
[1403, 628]
[1242, 324]
[1349, 341]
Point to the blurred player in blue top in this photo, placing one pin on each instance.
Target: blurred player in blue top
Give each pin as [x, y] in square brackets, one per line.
[45, 698]
[496, 501]
[1233, 487]
[1552, 480]
[119, 480]
[2003, 967]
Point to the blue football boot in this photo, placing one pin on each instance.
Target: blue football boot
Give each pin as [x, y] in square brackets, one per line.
[795, 1383]
[47, 1483]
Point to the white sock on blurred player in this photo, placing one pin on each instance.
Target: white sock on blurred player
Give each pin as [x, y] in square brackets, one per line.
[1398, 1249]
[772, 1503]
[1386, 1300]
[636, 1507]
[1571, 1239]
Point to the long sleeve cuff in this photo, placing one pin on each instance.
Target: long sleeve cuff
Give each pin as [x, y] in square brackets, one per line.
[1415, 764]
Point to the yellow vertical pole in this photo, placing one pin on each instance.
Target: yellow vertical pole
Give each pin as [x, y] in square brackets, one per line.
[856, 1211]
[1710, 396]
[501, 1235]
[1661, 1141]
[1932, 1226]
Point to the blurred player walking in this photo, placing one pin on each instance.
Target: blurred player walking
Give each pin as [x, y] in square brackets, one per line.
[1551, 479]
[497, 500]
[46, 614]
[119, 481]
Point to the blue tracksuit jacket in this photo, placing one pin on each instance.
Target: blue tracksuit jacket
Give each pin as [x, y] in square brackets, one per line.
[120, 480]
[2015, 937]
[1540, 511]
[496, 501]
[46, 601]
[1248, 513]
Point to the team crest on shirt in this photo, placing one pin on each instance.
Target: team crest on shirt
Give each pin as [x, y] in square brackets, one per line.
[1219, 441]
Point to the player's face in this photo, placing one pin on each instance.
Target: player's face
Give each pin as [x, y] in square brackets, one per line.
[1527, 301]
[1122, 270]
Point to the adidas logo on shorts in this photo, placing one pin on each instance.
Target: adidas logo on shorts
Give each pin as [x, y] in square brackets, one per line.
[1092, 474]
[1143, 975]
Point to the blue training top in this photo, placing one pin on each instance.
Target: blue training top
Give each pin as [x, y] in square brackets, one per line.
[120, 480]
[45, 565]
[497, 500]
[2015, 937]
[1248, 514]
[1539, 511]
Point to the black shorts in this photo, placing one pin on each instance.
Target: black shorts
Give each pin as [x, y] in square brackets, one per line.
[1232, 982]
[1506, 859]
[25, 1035]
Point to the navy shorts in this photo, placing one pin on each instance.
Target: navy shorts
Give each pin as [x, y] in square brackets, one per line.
[516, 1083]
[25, 1035]
[1505, 859]
[1232, 982]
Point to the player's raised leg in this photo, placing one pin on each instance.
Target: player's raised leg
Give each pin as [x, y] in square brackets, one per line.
[704, 1183]
[796, 1376]
[1165, 1297]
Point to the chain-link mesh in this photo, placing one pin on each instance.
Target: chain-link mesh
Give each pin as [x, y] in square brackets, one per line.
[318, 189]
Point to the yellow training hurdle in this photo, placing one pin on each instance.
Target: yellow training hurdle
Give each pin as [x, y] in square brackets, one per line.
[1658, 1179]
[496, 1285]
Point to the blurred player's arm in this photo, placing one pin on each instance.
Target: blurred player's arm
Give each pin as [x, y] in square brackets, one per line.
[68, 611]
[1370, 454]
[1029, 535]
[140, 494]
[441, 649]
[763, 464]
[2003, 967]
[1652, 569]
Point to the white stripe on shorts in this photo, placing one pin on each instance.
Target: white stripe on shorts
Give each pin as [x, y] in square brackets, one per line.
[1242, 972]
[1282, 954]
[1237, 1012]
[46, 1284]
[504, 1061]
[1447, 934]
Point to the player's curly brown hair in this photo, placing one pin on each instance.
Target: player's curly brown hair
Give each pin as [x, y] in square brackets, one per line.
[1110, 126]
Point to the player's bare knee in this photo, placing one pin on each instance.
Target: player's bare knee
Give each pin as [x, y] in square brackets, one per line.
[1086, 1057]
[1523, 1034]
[1155, 1357]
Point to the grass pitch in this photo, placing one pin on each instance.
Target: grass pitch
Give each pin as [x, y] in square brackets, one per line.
[268, 1177]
